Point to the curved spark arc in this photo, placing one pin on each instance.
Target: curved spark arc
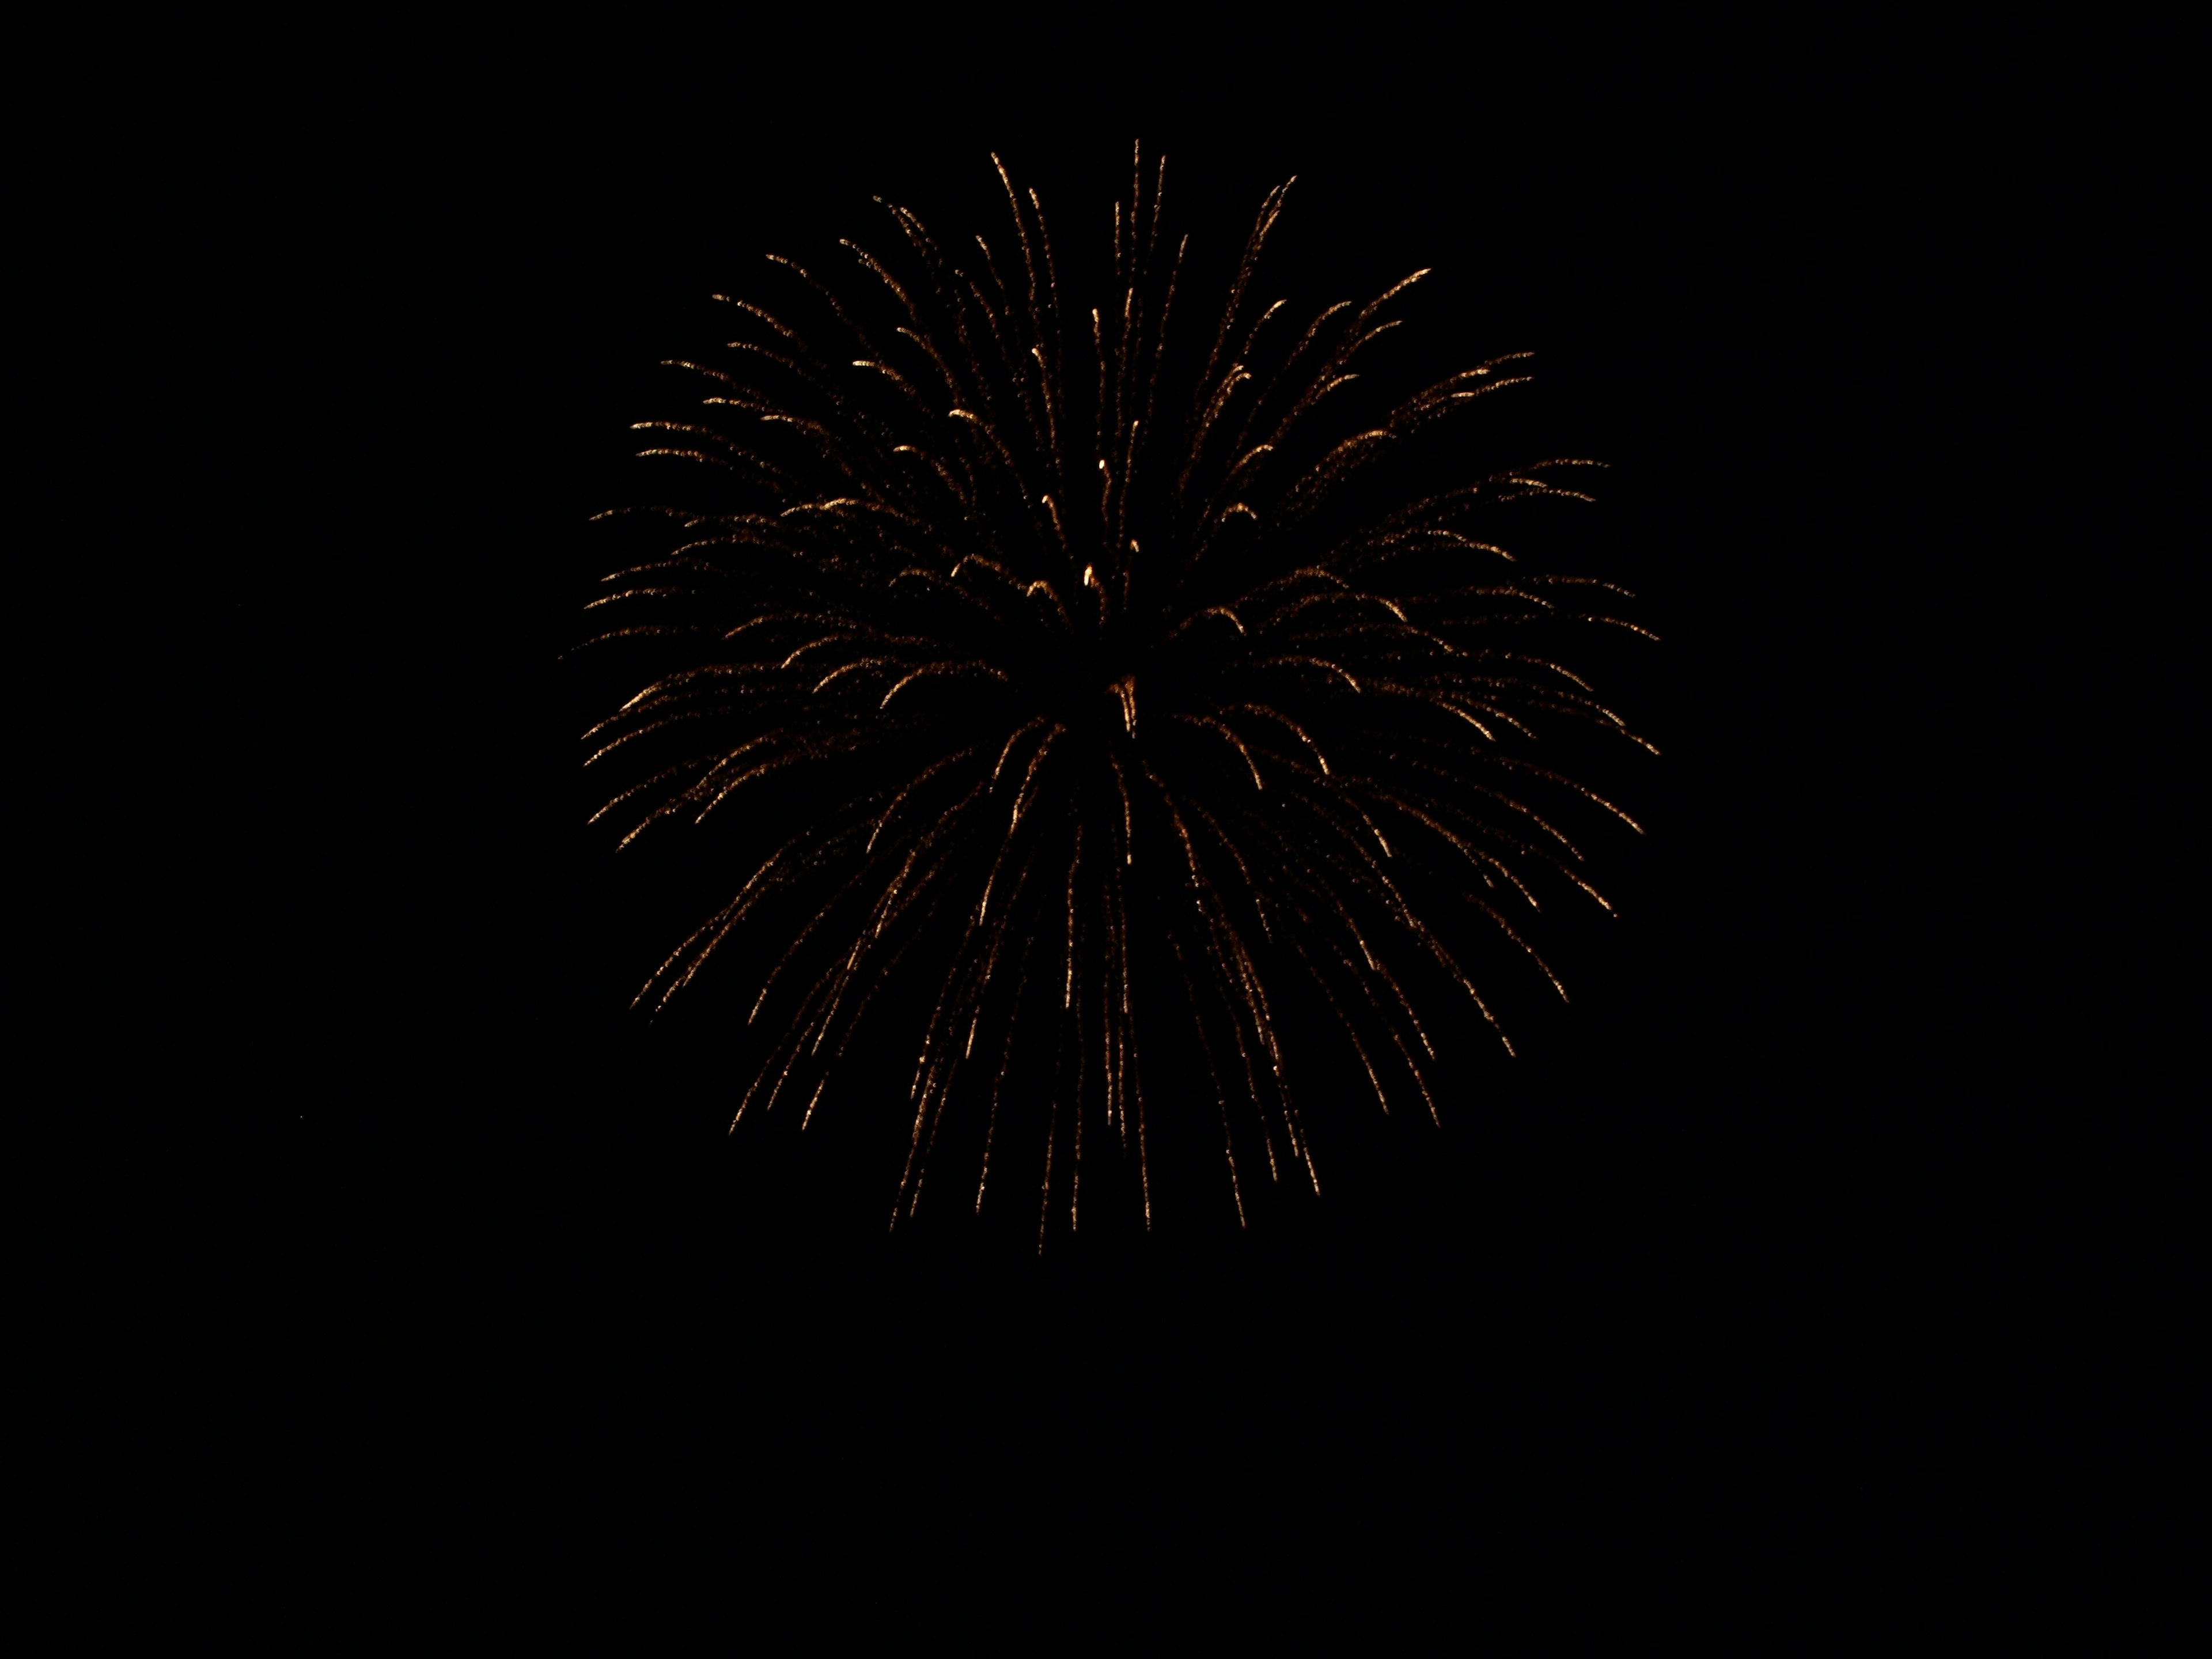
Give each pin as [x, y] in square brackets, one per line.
[1063, 632]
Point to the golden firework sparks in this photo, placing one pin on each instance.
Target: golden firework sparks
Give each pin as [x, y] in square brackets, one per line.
[1077, 653]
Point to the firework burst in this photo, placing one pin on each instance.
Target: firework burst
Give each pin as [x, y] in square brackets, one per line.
[1078, 670]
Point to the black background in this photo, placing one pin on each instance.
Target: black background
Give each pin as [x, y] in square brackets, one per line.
[1790, 1246]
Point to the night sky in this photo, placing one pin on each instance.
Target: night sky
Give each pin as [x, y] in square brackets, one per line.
[1784, 1244]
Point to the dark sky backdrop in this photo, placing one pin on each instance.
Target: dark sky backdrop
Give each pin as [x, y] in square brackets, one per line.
[1753, 1250]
